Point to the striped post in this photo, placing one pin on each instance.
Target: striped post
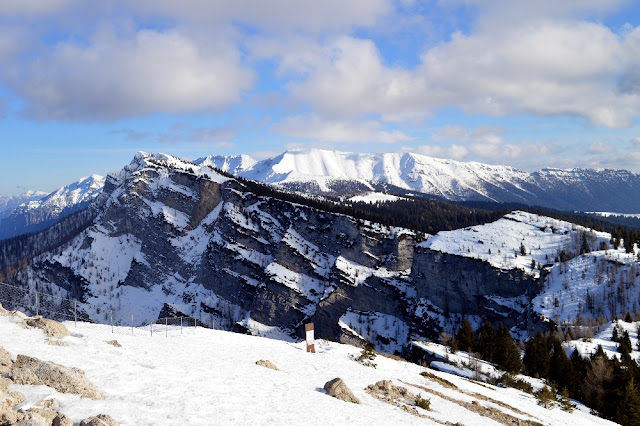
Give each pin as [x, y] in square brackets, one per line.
[308, 330]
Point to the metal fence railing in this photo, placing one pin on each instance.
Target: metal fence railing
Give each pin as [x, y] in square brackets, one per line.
[32, 302]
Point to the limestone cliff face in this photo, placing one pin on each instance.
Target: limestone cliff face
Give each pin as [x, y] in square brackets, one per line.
[167, 235]
[170, 233]
[470, 287]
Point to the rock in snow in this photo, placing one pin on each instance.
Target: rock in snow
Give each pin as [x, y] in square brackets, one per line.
[338, 389]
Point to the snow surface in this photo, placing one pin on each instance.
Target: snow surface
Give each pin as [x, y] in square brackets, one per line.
[499, 243]
[373, 197]
[198, 376]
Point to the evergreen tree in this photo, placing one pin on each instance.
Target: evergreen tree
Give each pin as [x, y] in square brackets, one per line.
[466, 337]
[536, 356]
[507, 355]
[628, 413]
[487, 341]
[625, 347]
[560, 368]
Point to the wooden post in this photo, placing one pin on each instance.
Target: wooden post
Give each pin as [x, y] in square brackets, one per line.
[308, 330]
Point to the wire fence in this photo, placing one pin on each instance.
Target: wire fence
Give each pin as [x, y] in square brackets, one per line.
[32, 302]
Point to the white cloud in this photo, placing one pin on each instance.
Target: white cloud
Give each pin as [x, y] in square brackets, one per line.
[114, 78]
[601, 148]
[548, 67]
[313, 127]
[273, 15]
[455, 152]
[34, 7]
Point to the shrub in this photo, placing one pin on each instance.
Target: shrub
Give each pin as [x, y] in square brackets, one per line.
[367, 356]
[423, 403]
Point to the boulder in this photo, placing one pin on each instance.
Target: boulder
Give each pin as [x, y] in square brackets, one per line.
[3, 311]
[50, 327]
[114, 343]
[28, 418]
[32, 371]
[267, 364]
[338, 389]
[99, 420]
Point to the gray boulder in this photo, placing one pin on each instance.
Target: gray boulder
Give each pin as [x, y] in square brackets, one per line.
[338, 389]
[32, 371]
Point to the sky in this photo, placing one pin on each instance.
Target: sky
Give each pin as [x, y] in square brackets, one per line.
[84, 85]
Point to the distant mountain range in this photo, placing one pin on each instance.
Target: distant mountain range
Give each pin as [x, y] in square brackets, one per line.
[10, 202]
[368, 177]
[343, 173]
[40, 211]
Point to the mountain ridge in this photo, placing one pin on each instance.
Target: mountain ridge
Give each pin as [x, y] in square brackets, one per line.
[334, 172]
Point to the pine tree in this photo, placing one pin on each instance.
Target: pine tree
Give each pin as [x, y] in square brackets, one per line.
[628, 413]
[536, 356]
[487, 341]
[560, 368]
[507, 355]
[466, 337]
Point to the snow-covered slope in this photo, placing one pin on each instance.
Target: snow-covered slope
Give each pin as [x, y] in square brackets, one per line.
[203, 377]
[581, 274]
[40, 213]
[334, 172]
[10, 202]
[234, 164]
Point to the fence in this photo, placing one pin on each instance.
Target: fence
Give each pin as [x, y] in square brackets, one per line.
[33, 302]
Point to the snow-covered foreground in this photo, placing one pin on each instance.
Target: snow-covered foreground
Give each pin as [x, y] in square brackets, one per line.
[203, 377]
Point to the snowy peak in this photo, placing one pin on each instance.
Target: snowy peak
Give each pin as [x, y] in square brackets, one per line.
[85, 190]
[339, 173]
[10, 202]
[42, 212]
[230, 164]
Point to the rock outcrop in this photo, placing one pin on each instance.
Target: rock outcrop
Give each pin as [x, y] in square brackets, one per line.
[50, 327]
[338, 389]
[267, 364]
[32, 371]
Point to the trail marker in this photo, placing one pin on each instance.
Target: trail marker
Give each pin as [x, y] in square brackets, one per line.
[308, 329]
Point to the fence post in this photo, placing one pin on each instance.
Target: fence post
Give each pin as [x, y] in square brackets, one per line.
[75, 312]
[37, 303]
[180, 325]
[166, 327]
[195, 322]
[132, 323]
[111, 315]
[151, 328]
[212, 322]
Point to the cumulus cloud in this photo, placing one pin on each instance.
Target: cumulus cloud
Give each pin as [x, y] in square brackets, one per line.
[313, 127]
[274, 15]
[601, 148]
[547, 67]
[33, 7]
[113, 78]
[455, 152]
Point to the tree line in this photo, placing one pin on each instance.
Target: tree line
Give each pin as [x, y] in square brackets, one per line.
[610, 387]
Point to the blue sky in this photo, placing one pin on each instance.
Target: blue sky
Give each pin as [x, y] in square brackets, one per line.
[84, 85]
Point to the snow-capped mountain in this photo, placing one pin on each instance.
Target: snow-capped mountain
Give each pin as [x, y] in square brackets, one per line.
[168, 235]
[334, 172]
[233, 164]
[42, 212]
[10, 202]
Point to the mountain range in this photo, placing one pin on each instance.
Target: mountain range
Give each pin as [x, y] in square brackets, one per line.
[170, 236]
[342, 173]
[38, 210]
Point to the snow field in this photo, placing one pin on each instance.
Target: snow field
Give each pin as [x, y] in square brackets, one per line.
[209, 377]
